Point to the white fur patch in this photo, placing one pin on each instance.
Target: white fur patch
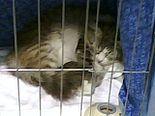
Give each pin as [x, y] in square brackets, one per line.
[71, 38]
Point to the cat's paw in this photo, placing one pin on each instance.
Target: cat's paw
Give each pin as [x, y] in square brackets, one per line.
[105, 57]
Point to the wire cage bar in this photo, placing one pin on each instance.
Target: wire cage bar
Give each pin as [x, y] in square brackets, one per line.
[84, 60]
[150, 62]
[95, 38]
[83, 69]
[133, 53]
[63, 27]
[16, 51]
[138, 35]
[39, 47]
[115, 45]
[59, 70]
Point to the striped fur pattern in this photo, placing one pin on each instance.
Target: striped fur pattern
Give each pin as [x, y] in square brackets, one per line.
[49, 53]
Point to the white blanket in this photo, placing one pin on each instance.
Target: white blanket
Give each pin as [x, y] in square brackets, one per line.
[29, 98]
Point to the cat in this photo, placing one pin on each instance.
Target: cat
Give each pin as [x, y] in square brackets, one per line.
[50, 52]
[102, 56]
[72, 82]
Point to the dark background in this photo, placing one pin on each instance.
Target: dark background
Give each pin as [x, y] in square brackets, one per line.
[27, 9]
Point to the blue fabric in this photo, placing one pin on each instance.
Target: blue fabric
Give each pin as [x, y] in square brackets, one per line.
[135, 27]
[27, 9]
[151, 101]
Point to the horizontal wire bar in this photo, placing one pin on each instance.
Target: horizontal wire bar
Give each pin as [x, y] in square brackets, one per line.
[42, 70]
[57, 70]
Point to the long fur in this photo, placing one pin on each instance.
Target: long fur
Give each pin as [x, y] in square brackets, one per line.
[50, 52]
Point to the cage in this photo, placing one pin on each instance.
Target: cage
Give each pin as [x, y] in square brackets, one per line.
[134, 25]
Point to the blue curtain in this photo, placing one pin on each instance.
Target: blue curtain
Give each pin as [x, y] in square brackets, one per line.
[151, 89]
[136, 29]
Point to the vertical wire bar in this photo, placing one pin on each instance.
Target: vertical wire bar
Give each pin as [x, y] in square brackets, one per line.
[39, 48]
[133, 54]
[94, 72]
[16, 51]
[114, 50]
[63, 27]
[84, 60]
[151, 59]
[147, 80]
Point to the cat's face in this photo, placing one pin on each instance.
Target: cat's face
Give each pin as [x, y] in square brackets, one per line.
[99, 48]
[102, 47]
[103, 55]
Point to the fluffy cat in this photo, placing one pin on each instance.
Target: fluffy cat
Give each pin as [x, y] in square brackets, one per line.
[102, 56]
[50, 52]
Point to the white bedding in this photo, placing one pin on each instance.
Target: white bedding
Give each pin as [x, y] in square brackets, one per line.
[29, 98]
